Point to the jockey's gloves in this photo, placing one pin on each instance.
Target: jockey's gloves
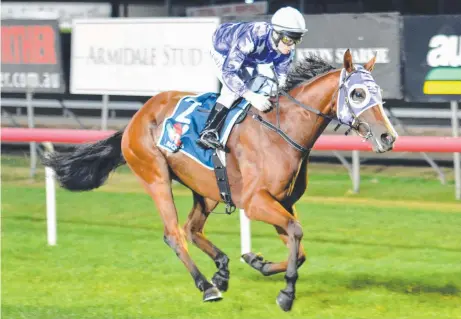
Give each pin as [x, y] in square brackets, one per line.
[259, 101]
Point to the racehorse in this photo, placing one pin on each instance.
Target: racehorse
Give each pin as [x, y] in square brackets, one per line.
[266, 165]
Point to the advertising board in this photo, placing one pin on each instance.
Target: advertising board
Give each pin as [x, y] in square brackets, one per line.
[31, 57]
[432, 53]
[141, 56]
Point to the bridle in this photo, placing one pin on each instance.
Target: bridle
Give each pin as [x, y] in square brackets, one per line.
[355, 124]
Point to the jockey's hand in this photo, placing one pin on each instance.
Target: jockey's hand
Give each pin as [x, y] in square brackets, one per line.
[259, 101]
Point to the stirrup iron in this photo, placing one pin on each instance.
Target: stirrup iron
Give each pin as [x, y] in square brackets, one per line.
[206, 134]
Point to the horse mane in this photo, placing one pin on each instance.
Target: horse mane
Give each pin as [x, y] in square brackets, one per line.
[306, 69]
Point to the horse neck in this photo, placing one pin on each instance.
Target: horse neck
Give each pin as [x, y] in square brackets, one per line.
[302, 125]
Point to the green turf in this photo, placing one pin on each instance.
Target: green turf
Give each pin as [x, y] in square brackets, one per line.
[386, 256]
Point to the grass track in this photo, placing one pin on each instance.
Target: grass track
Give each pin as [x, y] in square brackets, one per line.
[393, 251]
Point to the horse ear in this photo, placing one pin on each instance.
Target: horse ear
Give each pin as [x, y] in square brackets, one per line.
[371, 64]
[348, 65]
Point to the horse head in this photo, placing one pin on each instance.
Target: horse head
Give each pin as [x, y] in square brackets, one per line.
[359, 104]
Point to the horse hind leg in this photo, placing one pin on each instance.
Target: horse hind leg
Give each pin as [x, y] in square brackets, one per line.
[194, 232]
[151, 168]
[175, 238]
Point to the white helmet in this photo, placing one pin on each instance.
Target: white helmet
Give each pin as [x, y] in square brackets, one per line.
[289, 20]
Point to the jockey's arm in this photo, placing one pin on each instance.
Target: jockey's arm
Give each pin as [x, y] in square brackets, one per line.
[233, 63]
[231, 66]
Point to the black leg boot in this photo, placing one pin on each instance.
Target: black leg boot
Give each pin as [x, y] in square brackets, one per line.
[209, 136]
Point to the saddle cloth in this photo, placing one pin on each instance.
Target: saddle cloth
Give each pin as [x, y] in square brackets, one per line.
[181, 130]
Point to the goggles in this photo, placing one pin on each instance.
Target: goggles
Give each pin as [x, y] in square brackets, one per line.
[288, 38]
[289, 41]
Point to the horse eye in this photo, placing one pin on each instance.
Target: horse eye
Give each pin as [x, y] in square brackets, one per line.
[358, 95]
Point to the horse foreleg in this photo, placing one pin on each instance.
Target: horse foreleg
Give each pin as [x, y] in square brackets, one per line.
[263, 207]
[194, 232]
[268, 268]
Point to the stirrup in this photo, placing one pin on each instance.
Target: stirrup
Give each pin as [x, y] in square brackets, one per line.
[210, 141]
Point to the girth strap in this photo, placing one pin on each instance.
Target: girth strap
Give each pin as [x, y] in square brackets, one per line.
[223, 183]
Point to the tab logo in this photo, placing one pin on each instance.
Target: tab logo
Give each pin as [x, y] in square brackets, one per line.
[444, 58]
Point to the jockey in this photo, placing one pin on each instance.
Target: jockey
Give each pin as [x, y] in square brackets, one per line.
[238, 48]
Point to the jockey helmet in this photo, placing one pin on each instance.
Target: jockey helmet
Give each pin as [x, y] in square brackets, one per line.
[289, 22]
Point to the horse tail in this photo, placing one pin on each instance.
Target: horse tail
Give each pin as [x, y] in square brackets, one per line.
[87, 166]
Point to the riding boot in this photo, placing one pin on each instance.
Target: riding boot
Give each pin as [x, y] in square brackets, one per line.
[209, 136]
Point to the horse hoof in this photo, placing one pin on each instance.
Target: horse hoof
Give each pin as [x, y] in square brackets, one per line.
[250, 257]
[212, 294]
[255, 261]
[220, 282]
[285, 300]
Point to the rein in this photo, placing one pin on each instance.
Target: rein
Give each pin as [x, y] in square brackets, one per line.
[276, 128]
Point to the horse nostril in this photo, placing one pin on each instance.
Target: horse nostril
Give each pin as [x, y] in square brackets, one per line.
[387, 139]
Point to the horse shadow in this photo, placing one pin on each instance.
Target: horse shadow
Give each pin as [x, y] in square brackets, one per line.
[325, 282]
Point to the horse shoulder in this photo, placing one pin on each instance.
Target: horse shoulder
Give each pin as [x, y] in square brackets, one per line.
[261, 159]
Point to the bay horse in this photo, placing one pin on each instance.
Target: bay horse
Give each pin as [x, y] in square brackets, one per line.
[267, 168]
